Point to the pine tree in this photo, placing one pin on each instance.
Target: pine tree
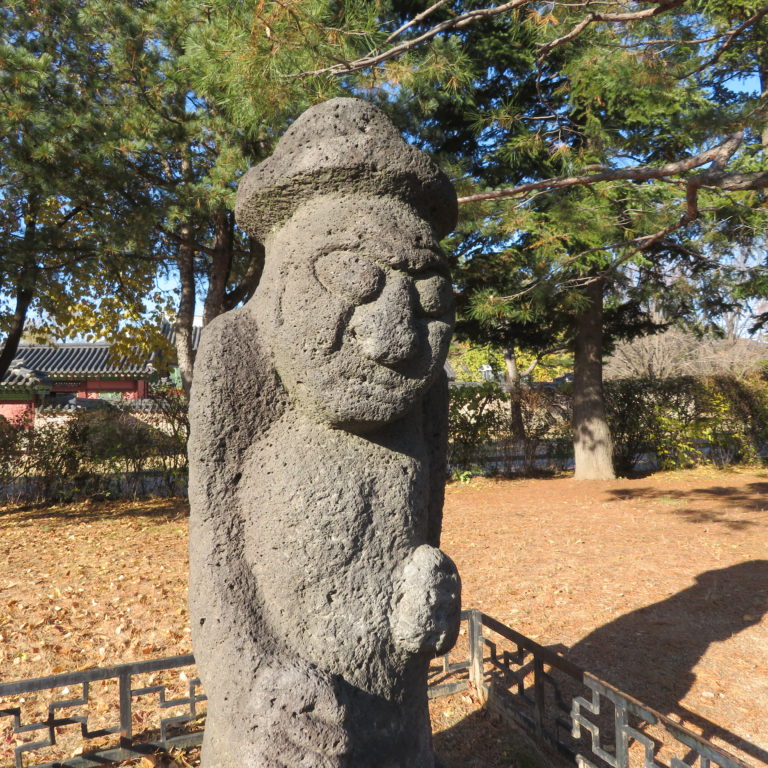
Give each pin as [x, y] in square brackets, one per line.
[209, 81]
[73, 217]
[593, 126]
[128, 128]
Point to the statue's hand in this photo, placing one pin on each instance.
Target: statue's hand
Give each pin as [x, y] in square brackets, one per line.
[427, 604]
[299, 720]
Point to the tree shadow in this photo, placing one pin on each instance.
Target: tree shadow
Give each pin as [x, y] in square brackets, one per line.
[90, 510]
[751, 498]
[651, 652]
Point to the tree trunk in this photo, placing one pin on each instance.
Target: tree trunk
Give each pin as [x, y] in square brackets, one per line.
[221, 266]
[593, 452]
[514, 387]
[24, 290]
[763, 73]
[250, 279]
[24, 295]
[185, 354]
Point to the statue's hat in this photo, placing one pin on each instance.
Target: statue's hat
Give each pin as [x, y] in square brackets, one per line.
[343, 145]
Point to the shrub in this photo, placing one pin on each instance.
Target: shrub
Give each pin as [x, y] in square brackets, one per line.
[660, 416]
[108, 452]
[54, 457]
[474, 418]
[482, 426]
[679, 422]
[738, 418]
[11, 451]
[173, 408]
[543, 432]
[687, 421]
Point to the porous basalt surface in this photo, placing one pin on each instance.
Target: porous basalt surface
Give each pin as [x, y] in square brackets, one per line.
[318, 593]
[343, 145]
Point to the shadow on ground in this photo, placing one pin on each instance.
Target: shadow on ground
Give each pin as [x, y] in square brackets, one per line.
[93, 510]
[651, 653]
[482, 740]
[752, 497]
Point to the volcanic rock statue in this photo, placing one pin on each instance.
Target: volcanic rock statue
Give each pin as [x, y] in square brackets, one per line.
[319, 412]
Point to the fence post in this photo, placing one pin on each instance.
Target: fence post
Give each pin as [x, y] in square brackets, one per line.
[538, 694]
[126, 724]
[476, 676]
[621, 723]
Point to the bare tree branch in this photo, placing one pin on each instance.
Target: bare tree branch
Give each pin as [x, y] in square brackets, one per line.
[458, 22]
[714, 177]
[377, 56]
[614, 18]
[729, 40]
[735, 181]
[71, 215]
[719, 154]
[415, 20]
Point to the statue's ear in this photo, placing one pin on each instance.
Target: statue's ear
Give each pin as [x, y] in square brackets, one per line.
[435, 414]
[235, 392]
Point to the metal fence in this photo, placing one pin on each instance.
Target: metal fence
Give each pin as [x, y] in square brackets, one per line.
[580, 716]
[566, 709]
[122, 743]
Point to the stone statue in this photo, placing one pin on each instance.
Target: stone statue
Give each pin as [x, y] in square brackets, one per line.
[317, 459]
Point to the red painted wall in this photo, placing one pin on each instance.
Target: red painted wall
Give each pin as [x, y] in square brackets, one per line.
[17, 410]
[25, 409]
[91, 389]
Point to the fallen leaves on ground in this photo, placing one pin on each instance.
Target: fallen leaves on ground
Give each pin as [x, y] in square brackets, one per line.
[573, 565]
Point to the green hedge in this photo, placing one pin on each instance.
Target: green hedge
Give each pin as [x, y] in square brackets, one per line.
[482, 435]
[677, 423]
[669, 423]
[110, 452]
[688, 421]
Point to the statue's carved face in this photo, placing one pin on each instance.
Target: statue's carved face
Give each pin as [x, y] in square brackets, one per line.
[358, 307]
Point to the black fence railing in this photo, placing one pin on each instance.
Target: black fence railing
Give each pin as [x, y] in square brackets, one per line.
[566, 709]
[581, 716]
[113, 743]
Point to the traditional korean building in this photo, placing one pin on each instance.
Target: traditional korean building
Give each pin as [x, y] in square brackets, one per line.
[43, 375]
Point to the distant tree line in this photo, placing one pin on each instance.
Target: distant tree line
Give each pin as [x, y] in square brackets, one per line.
[657, 423]
[610, 159]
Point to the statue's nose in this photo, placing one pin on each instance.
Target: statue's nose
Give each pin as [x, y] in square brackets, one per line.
[385, 328]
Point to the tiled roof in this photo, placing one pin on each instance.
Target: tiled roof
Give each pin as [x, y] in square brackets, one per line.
[69, 360]
[35, 365]
[19, 377]
[169, 332]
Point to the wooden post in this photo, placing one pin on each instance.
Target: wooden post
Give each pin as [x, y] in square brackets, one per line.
[476, 676]
[538, 693]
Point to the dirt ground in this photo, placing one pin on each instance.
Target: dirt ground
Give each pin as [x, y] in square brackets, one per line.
[658, 585]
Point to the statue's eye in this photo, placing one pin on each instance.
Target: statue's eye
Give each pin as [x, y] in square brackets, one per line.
[349, 274]
[435, 294]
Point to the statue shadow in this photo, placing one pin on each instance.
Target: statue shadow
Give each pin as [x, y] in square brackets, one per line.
[483, 740]
[651, 653]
